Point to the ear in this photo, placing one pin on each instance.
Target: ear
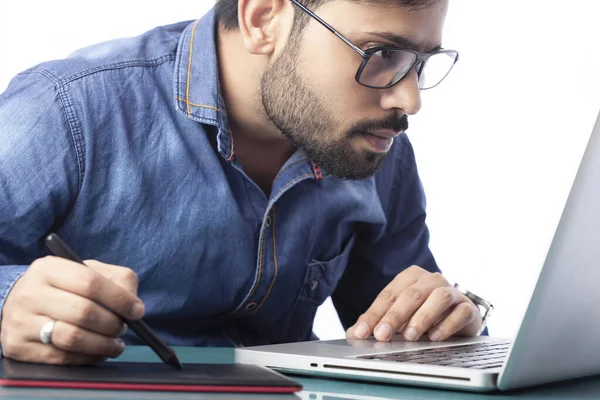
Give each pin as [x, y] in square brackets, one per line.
[262, 23]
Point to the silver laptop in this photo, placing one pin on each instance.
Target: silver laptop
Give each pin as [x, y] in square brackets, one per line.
[558, 338]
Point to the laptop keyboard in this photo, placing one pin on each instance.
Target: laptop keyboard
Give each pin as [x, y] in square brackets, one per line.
[475, 355]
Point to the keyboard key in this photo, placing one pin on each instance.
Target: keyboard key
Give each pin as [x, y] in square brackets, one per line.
[474, 355]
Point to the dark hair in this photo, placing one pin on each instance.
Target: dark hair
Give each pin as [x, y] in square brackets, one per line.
[227, 10]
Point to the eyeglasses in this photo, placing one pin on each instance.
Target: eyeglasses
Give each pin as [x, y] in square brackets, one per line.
[383, 66]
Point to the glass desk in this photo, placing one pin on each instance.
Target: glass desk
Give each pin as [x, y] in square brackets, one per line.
[314, 389]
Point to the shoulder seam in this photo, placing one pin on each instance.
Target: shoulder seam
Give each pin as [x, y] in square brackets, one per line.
[69, 113]
[118, 65]
[76, 133]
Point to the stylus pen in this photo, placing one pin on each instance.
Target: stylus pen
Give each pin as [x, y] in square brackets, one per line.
[166, 353]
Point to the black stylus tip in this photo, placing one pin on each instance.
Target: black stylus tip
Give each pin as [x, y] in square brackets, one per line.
[173, 361]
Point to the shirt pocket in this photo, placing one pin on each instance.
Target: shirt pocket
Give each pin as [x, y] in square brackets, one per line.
[320, 280]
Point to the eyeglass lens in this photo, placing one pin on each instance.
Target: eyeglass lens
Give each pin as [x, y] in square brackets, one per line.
[386, 67]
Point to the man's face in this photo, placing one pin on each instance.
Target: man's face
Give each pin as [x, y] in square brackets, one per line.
[310, 93]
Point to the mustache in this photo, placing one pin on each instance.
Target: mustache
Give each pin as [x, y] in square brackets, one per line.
[392, 122]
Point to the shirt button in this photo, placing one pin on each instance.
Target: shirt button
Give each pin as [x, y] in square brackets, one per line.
[268, 221]
[250, 306]
[314, 284]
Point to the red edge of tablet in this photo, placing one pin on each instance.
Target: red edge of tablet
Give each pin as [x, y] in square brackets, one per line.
[147, 386]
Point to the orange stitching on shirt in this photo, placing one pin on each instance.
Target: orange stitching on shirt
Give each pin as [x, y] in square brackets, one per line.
[275, 261]
[260, 261]
[232, 152]
[197, 105]
[187, 88]
[274, 241]
[262, 242]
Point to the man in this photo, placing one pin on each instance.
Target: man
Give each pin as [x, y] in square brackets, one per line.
[224, 177]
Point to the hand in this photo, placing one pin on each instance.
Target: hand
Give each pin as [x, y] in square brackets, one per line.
[415, 303]
[84, 302]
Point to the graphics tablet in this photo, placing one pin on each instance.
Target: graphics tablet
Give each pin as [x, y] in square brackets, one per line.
[232, 378]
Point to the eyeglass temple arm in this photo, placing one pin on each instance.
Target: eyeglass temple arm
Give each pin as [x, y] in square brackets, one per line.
[331, 29]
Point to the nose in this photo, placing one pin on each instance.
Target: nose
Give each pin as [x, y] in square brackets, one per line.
[405, 95]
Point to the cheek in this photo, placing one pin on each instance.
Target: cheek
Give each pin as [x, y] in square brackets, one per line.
[330, 74]
[328, 63]
[329, 67]
[332, 79]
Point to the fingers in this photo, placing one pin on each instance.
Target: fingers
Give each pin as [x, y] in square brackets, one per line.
[69, 344]
[407, 304]
[439, 304]
[90, 284]
[84, 302]
[79, 311]
[382, 304]
[463, 315]
[42, 353]
[122, 276]
[416, 303]
[73, 339]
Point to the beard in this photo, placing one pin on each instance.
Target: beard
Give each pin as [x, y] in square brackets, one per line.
[303, 116]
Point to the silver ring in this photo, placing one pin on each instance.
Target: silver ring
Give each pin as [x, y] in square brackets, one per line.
[46, 332]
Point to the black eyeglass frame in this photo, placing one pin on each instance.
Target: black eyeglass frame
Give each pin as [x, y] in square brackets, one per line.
[420, 58]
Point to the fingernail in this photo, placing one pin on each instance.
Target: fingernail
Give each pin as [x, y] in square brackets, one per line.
[119, 348]
[384, 332]
[410, 334]
[137, 311]
[435, 335]
[123, 330]
[361, 331]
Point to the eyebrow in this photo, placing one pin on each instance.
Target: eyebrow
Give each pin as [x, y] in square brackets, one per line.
[403, 41]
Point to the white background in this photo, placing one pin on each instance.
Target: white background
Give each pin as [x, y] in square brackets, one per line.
[498, 143]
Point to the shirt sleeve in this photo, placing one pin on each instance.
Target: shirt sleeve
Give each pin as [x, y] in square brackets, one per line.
[381, 254]
[39, 170]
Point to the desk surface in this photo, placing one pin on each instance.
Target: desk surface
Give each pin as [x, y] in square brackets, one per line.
[314, 389]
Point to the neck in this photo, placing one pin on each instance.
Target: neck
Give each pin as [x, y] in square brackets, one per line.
[259, 145]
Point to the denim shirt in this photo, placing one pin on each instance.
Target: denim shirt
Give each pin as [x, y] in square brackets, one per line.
[124, 150]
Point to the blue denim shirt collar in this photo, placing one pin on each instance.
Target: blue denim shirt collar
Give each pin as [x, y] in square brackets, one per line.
[196, 80]
[197, 87]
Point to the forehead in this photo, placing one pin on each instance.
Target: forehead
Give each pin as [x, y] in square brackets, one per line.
[360, 19]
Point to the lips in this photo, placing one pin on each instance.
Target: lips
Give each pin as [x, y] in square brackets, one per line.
[385, 134]
[378, 143]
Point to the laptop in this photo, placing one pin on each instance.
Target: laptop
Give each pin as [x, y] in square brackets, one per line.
[558, 338]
